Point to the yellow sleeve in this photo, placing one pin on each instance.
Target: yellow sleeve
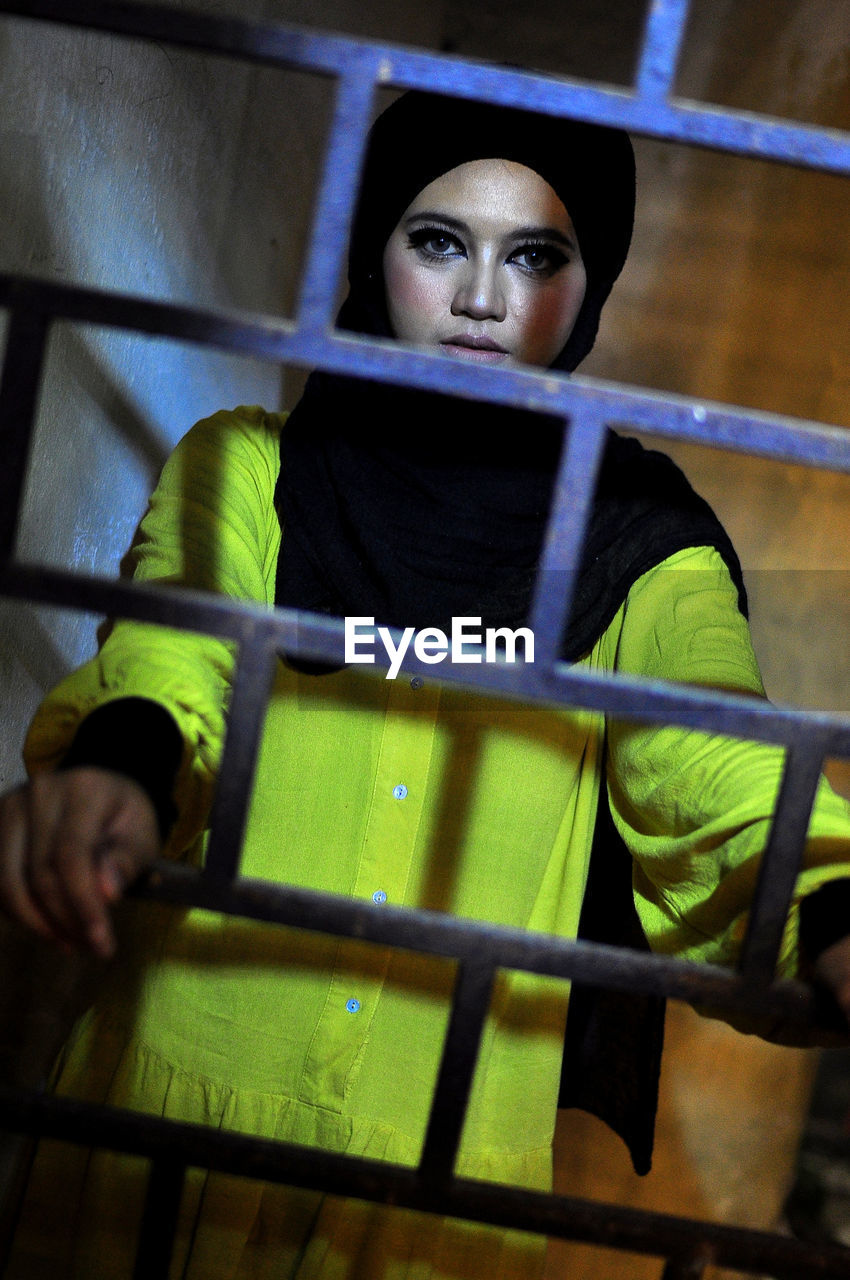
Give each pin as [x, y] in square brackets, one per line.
[210, 526]
[695, 808]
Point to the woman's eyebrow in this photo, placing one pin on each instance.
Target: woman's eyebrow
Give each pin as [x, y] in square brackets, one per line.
[431, 215]
[545, 233]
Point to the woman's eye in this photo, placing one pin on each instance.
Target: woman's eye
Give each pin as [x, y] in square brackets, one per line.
[432, 243]
[539, 259]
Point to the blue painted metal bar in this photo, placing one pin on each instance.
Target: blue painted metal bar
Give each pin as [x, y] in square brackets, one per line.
[665, 27]
[319, 637]
[571, 507]
[781, 860]
[620, 406]
[741, 132]
[326, 252]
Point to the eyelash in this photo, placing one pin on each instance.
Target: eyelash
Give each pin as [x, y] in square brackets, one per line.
[420, 237]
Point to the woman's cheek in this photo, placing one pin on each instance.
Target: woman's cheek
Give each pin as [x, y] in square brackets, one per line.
[414, 301]
[546, 321]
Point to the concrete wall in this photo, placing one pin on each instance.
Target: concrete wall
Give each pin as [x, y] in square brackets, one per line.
[143, 167]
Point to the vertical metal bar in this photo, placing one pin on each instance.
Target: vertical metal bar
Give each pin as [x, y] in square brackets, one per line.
[782, 857]
[662, 39]
[159, 1219]
[329, 230]
[251, 686]
[690, 1266]
[26, 343]
[448, 1109]
[572, 502]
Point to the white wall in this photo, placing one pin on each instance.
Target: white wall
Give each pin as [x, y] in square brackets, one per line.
[143, 167]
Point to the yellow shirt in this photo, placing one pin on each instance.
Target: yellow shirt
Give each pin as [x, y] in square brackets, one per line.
[427, 797]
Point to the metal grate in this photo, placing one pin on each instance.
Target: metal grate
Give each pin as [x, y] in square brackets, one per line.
[589, 407]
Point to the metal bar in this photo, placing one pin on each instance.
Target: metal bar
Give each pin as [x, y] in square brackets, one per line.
[739, 132]
[252, 683]
[783, 1008]
[331, 222]
[319, 637]
[26, 342]
[690, 1266]
[159, 1219]
[677, 417]
[603, 1224]
[572, 502]
[470, 1004]
[781, 860]
[663, 33]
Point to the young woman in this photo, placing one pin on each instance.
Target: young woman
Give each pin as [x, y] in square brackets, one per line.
[494, 237]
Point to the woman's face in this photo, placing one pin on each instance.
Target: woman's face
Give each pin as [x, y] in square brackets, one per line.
[484, 265]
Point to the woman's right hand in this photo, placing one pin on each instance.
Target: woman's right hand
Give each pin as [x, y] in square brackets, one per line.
[70, 842]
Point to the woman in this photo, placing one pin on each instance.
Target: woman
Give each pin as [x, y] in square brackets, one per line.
[494, 237]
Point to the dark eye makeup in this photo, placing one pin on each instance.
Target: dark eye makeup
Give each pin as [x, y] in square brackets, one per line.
[539, 259]
[434, 242]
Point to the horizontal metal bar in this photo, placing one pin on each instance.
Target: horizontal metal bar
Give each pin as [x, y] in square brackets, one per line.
[253, 678]
[663, 33]
[318, 637]
[744, 133]
[677, 417]
[470, 1003]
[608, 1225]
[784, 1007]
[572, 502]
[780, 864]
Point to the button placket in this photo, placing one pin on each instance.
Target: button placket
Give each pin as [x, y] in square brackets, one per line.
[389, 842]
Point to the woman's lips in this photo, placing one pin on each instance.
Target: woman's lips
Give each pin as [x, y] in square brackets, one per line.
[468, 347]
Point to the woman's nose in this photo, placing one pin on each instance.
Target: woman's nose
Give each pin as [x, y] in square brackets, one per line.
[479, 294]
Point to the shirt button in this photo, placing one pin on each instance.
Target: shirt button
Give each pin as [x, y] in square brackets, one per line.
[379, 896]
[416, 682]
[352, 1005]
[400, 791]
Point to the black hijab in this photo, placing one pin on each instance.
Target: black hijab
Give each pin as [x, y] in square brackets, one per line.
[414, 507]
